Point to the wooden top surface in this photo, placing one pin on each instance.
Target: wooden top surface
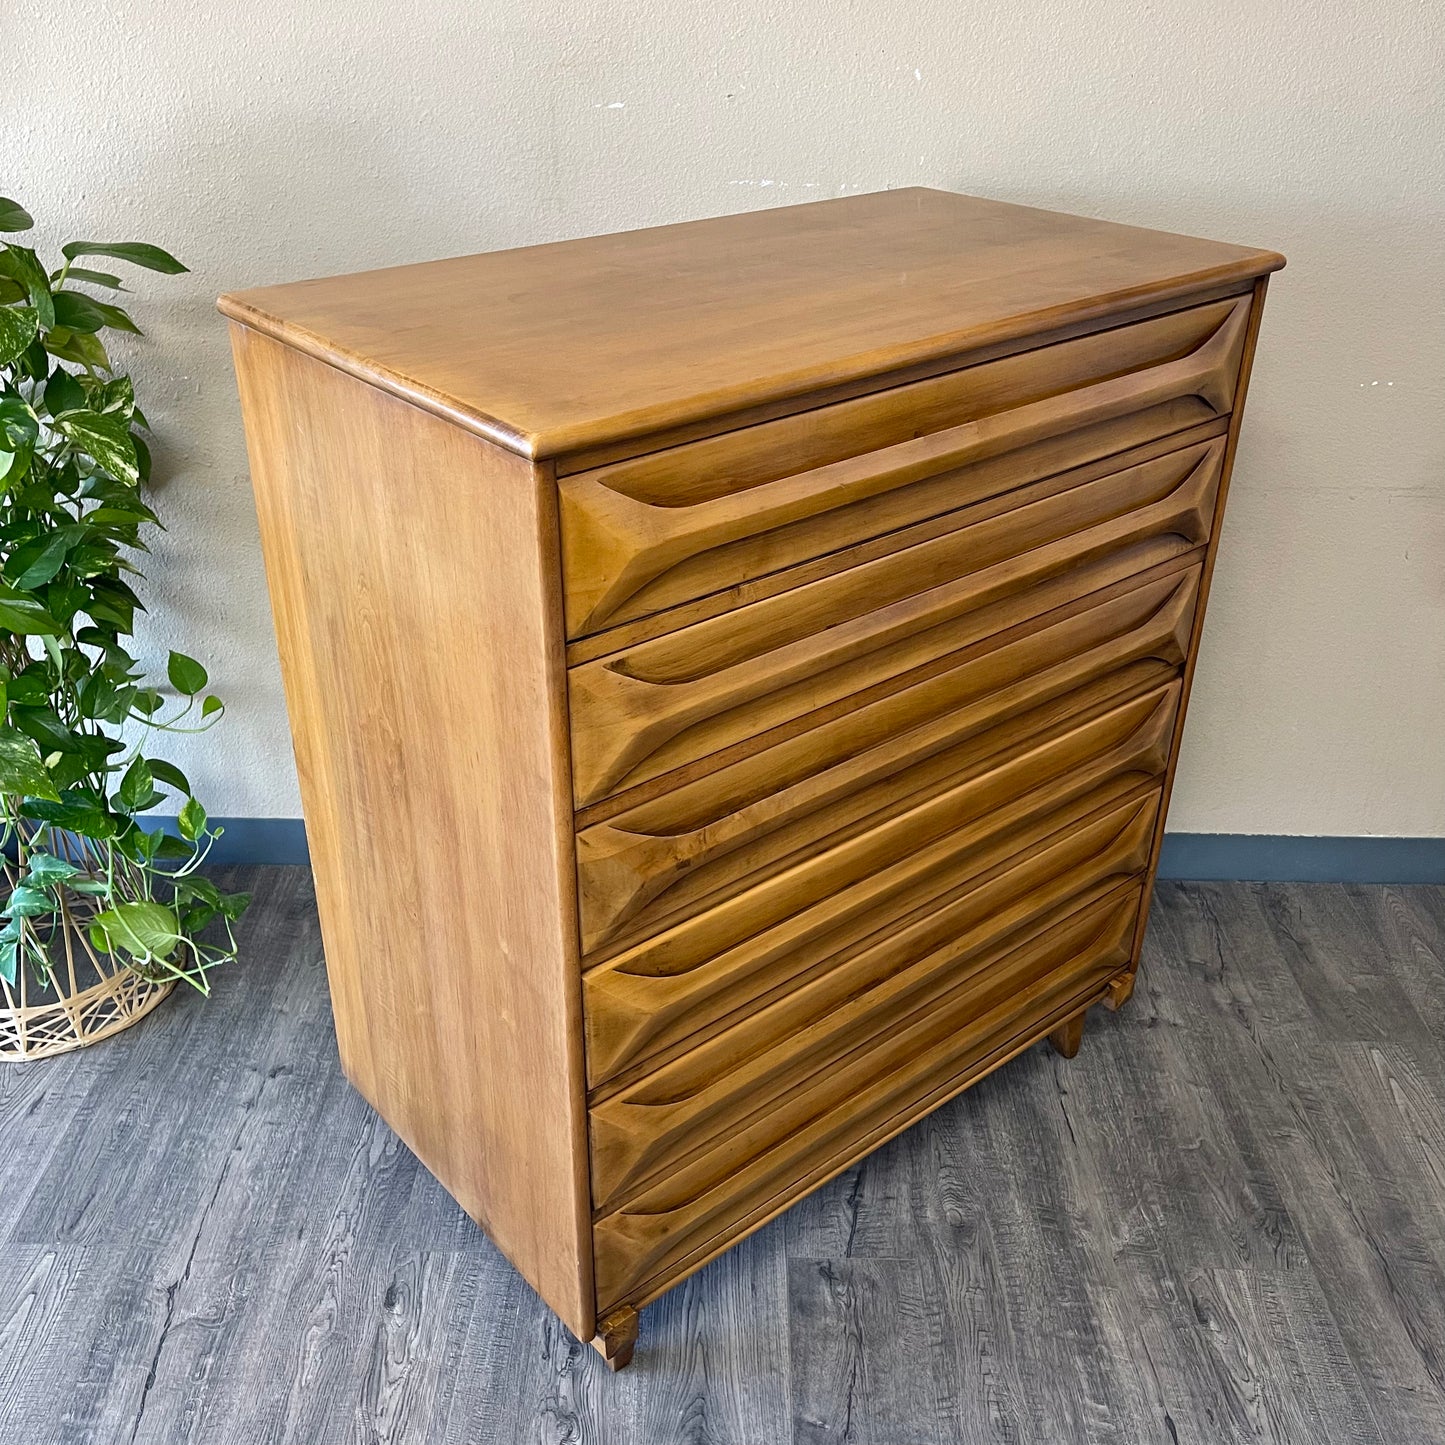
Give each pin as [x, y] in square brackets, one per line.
[550, 349]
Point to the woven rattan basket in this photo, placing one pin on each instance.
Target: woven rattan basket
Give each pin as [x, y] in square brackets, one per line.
[88, 998]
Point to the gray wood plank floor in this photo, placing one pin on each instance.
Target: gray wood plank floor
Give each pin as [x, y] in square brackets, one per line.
[1225, 1220]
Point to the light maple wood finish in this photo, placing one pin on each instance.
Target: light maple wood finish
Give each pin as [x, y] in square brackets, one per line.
[1221, 496]
[1068, 1036]
[616, 1336]
[690, 977]
[435, 787]
[659, 1233]
[664, 704]
[699, 843]
[703, 1096]
[553, 349]
[647, 534]
[737, 673]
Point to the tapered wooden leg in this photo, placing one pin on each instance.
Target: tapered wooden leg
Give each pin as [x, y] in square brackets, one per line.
[1121, 989]
[617, 1337]
[1068, 1036]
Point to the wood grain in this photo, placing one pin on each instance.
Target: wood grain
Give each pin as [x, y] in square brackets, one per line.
[656, 707]
[538, 348]
[642, 1131]
[736, 673]
[689, 975]
[461, 1024]
[686, 521]
[706, 840]
[1212, 554]
[716, 1196]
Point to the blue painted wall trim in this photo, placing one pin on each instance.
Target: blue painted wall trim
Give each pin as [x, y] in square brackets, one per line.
[1268, 858]
[1244, 856]
[255, 840]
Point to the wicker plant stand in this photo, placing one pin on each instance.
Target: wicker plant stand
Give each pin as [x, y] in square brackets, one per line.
[90, 996]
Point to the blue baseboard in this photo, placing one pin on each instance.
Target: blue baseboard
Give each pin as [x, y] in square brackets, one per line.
[255, 840]
[1252, 857]
[1271, 858]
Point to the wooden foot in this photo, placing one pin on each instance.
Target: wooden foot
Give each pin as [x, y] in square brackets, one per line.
[1121, 989]
[1068, 1036]
[617, 1337]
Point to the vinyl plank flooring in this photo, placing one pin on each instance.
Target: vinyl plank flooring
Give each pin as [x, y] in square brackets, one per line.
[1223, 1221]
[862, 1369]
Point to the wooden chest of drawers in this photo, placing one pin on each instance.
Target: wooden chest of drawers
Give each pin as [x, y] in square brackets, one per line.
[736, 673]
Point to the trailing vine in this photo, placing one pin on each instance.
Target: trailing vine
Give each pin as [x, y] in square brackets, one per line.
[77, 715]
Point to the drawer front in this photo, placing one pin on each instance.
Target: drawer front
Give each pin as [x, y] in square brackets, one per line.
[661, 705]
[713, 837]
[716, 1194]
[697, 974]
[698, 1100]
[644, 535]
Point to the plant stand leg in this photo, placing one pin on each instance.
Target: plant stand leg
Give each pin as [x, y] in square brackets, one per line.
[617, 1336]
[1068, 1036]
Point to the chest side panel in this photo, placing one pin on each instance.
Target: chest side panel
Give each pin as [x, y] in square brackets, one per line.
[412, 569]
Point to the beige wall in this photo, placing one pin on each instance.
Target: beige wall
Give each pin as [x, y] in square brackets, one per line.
[274, 140]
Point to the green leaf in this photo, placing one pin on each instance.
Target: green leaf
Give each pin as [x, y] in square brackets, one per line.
[233, 905]
[142, 929]
[138, 253]
[74, 809]
[14, 216]
[116, 395]
[63, 393]
[174, 849]
[106, 437]
[18, 328]
[21, 264]
[9, 959]
[186, 674]
[135, 787]
[25, 615]
[170, 775]
[45, 869]
[116, 319]
[21, 770]
[77, 312]
[35, 562]
[80, 347]
[197, 916]
[18, 423]
[191, 820]
[29, 903]
[211, 705]
[95, 278]
[198, 887]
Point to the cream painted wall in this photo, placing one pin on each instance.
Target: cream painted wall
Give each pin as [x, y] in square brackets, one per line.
[272, 140]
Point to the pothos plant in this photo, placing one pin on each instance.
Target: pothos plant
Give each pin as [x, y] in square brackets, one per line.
[82, 871]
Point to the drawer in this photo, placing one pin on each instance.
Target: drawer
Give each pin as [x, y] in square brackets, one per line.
[715, 1195]
[646, 534]
[714, 836]
[658, 706]
[693, 976]
[706, 1095]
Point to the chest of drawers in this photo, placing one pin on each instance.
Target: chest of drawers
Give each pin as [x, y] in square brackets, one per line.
[736, 672]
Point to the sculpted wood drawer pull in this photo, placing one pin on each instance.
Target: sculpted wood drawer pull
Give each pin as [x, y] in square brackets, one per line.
[638, 536]
[699, 842]
[671, 702]
[736, 674]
